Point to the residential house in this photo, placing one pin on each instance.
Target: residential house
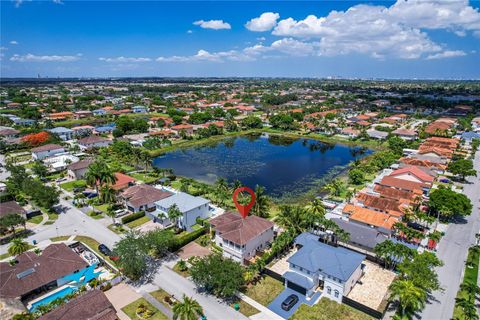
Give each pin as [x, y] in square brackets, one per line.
[92, 305]
[104, 129]
[405, 134]
[187, 128]
[142, 197]
[48, 150]
[413, 173]
[319, 266]
[59, 162]
[191, 208]
[383, 222]
[350, 132]
[56, 266]
[12, 207]
[82, 131]
[402, 184]
[241, 238]
[8, 133]
[63, 133]
[81, 114]
[78, 169]
[122, 181]
[361, 236]
[93, 142]
[99, 112]
[376, 134]
[139, 109]
[58, 116]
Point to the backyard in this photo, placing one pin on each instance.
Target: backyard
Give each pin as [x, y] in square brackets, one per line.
[265, 290]
[327, 309]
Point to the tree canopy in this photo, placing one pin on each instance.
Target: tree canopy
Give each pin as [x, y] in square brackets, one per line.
[449, 203]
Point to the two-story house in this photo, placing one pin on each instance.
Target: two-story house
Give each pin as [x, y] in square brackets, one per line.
[317, 265]
[242, 238]
[191, 208]
[142, 197]
[48, 150]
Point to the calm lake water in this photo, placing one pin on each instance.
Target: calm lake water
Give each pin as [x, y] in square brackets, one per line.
[279, 164]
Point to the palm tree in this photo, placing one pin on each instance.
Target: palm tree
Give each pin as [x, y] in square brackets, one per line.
[184, 184]
[174, 213]
[221, 184]
[107, 195]
[316, 207]
[292, 218]
[262, 202]
[17, 246]
[111, 213]
[410, 296]
[468, 307]
[189, 309]
[98, 173]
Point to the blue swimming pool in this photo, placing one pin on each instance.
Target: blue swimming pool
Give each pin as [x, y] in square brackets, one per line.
[50, 298]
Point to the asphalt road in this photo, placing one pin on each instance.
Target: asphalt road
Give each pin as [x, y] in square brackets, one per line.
[453, 252]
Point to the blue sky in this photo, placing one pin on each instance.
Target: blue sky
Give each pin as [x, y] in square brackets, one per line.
[404, 39]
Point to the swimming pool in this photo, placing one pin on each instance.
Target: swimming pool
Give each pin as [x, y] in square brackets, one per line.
[46, 300]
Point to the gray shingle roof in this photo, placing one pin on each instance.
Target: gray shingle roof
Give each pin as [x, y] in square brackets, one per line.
[316, 256]
[360, 234]
[299, 279]
[184, 201]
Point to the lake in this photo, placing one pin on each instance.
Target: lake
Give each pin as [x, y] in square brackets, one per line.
[284, 166]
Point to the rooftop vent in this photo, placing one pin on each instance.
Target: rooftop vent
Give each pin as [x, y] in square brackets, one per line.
[25, 273]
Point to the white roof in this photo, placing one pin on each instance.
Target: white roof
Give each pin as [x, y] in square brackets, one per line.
[184, 201]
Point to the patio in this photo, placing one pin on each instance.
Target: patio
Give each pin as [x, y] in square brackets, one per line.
[373, 286]
[276, 305]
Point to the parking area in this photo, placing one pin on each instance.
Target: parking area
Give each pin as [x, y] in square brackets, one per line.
[276, 305]
[193, 249]
[373, 286]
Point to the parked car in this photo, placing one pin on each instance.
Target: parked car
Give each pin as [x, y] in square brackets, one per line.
[91, 195]
[289, 302]
[120, 212]
[104, 249]
[78, 189]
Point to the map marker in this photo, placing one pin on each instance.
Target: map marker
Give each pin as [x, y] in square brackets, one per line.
[244, 210]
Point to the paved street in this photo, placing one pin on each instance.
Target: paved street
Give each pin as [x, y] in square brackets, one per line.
[453, 252]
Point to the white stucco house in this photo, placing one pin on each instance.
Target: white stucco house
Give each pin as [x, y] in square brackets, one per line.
[242, 238]
[48, 150]
[93, 142]
[64, 133]
[319, 266]
[191, 208]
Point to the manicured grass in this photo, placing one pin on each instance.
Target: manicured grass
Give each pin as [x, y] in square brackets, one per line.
[265, 291]
[470, 276]
[102, 207]
[327, 309]
[69, 186]
[138, 222]
[49, 222]
[35, 219]
[4, 256]
[95, 215]
[52, 216]
[184, 274]
[60, 238]
[159, 295]
[131, 310]
[245, 309]
[145, 177]
[116, 229]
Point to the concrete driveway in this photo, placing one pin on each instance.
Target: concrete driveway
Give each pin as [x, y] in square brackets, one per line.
[276, 305]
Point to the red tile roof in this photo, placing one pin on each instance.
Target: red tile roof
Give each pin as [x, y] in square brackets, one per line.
[412, 170]
[370, 217]
[401, 184]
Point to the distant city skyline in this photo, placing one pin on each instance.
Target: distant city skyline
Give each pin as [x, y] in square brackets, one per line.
[417, 39]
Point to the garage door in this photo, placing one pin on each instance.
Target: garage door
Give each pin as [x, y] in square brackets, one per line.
[296, 287]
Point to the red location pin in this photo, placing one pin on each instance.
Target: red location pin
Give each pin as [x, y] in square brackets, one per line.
[244, 210]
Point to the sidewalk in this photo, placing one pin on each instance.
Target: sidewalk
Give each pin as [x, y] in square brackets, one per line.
[265, 313]
[157, 304]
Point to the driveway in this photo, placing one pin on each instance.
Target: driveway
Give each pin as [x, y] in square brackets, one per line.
[276, 305]
[193, 249]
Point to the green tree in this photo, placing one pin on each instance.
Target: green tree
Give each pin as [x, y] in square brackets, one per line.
[356, 176]
[444, 200]
[132, 254]
[174, 213]
[411, 298]
[252, 122]
[39, 169]
[99, 174]
[218, 275]
[158, 242]
[107, 194]
[12, 220]
[17, 246]
[189, 309]
[262, 202]
[462, 168]
[316, 207]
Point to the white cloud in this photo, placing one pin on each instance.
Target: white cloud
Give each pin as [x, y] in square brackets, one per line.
[213, 24]
[189, 31]
[13, 42]
[122, 59]
[265, 22]
[34, 58]
[396, 31]
[447, 54]
[203, 55]
[261, 39]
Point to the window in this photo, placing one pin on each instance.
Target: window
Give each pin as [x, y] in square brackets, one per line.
[336, 293]
[329, 290]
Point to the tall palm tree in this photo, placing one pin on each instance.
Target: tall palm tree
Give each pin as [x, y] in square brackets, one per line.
[17, 246]
[292, 218]
[189, 309]
[174, 213]
[221, 184]
[107, 194]
[411, 297]
[316, 207]
[262, 202]
[111, 213]
[98, 174]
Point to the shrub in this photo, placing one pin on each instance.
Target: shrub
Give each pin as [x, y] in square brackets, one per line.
[188, 237]
[132, 217]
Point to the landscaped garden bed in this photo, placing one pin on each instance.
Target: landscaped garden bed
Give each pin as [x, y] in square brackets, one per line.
[141, 309]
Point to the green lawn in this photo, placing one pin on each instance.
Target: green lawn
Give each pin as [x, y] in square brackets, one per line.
[130, 310]
[95, 215]
[102, 207]
[35, 219]
[184, 274]
[59, 238]
[160, 295]
[138, 222]
[145, 177]
[4, 256]
[245, 309]
[265, 291]
[470, 276]
[116, 229]
[327, 309]
[52, 216]
[69, 186]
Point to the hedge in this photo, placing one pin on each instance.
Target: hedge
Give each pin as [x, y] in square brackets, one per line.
[133, 216]
[187, 238]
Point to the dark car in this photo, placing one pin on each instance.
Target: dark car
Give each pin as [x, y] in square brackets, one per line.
[288, 303]
[78, 189]
[104, 249]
